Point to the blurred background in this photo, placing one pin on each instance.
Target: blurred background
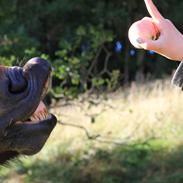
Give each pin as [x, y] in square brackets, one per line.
[120, 120]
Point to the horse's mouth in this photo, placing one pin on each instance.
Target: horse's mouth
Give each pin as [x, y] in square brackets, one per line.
[25, 123]
[40, 114]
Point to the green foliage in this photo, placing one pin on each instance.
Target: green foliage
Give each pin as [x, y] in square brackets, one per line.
[79, 38]
[8, 61]
[75, 59]
[135, 163]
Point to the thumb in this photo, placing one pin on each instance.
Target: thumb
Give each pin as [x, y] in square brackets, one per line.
[147, 44]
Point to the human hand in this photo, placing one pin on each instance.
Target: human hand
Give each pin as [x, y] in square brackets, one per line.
[169, 41]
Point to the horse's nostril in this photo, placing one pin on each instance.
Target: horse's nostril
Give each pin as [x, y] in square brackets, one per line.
[17, 82]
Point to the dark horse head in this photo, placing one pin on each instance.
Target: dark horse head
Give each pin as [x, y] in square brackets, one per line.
[25, 123]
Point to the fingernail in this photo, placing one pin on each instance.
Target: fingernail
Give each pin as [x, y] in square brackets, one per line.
[140, 40]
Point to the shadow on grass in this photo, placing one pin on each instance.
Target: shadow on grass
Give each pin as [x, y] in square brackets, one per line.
[138, 163]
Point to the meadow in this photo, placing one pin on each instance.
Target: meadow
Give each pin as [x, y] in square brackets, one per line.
[132, 135]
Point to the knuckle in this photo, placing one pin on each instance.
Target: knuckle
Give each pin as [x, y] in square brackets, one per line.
[146, 18]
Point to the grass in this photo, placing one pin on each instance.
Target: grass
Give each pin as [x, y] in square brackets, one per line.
[141, 132]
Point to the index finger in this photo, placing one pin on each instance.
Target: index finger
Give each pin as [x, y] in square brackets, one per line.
[153, 11]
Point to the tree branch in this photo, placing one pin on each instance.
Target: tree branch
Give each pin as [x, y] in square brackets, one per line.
[97, 137]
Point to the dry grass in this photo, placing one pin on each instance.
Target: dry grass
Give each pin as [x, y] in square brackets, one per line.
[141, 111]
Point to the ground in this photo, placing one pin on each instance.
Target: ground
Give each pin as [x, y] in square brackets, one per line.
[133, 135]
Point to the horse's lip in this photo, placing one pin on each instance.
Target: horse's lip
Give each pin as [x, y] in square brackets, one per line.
[38, 115]
[46, 86]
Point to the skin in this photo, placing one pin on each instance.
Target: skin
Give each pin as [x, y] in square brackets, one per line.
[170, 41]
[142, 28]
[21, 92]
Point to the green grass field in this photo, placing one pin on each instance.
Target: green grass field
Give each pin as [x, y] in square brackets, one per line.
[137, 138]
